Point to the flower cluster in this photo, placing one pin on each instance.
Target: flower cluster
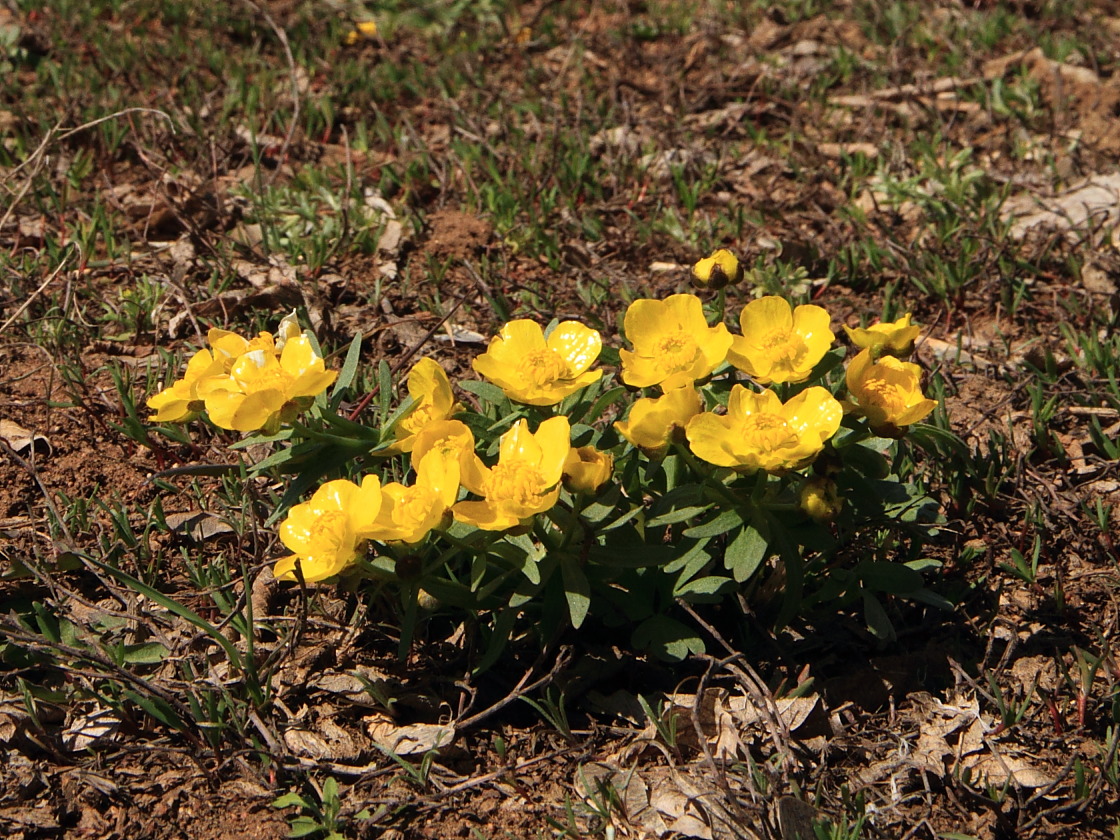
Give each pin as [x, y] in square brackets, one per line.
[737, 409]
[247, 384]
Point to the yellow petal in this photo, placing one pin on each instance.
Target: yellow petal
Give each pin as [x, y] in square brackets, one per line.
[577, 344]
[709, 436]
[554, 439]
[485, 516]
[765, 315]
[645, 322]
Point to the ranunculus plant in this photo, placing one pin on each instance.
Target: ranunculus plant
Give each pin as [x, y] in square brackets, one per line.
[557, 491]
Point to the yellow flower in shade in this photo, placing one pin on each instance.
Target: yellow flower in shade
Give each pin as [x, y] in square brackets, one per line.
[653, 423]
[452, 437]
[780, 343]
[718, 270]
[180, 400]
[536, 371]
[262, 390]
[433, 400]
[820, 499]
[587, 469]
[888, 393]
[673, 344]
[364, 30]
[408, 514]
[759, 432]
[524, 482]
[327, 533]
[894, 338]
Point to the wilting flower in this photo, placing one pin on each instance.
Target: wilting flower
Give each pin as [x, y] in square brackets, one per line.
[718, 270]
[779, 343]
[587, 469]
[433, 400]
[180, 400]
[759, 432]
[524, 482]
[533, 370]
[673, 344]
[819, 498]
[327, 533]
[262, 390]
[653, 423]
[452, 437]
[408, 513]
[888, 393]
[894, 338]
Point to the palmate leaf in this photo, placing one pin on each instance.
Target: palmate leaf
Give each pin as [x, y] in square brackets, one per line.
[666, 638]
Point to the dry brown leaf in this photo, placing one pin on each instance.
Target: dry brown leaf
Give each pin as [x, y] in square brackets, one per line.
[23, 440]
[85, 730]
[1093, 202]
[414, 739]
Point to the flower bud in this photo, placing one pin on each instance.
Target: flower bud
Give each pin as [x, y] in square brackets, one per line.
[718, 270]
[587, 469]
[820, 500]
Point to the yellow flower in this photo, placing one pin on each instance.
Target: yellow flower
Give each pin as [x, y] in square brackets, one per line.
[524, 482]
[228, 347]
[894, 338]
[262, 390]
[180, 400]
[447, 437]
[653, 423]
[409, 513]
[326, 533]
[759, 432]
[718, 270]
[432, 400]
[779, 343]
[673, 344]
[587, 469]
[531, 370]
[820, 500]
[363, 30]
[888, 393]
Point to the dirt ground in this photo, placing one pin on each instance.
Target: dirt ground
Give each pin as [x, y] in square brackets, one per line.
[997, 718]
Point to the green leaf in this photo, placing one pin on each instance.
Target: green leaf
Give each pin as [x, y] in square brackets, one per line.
[384, 388]
[705, 589]
[666, 638]
[876, 617]
[290, 800]
[303, 826]
[157, 709]
[489, 393]
[720, 524]
[148, 653]
[894, 578]
[349, 368]
[576, 589]
[675, 516]
[745, 553]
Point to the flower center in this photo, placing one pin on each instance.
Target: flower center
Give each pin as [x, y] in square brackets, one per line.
[331, 535]
[543, 367]
[515, 481]
[766, 432]
[885, 395]
[677, 351]
[414, 507]
[421, 415]
[783, 347]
